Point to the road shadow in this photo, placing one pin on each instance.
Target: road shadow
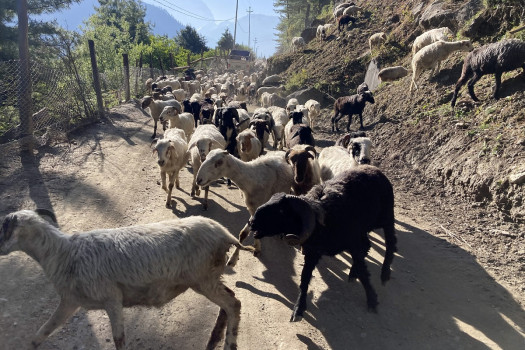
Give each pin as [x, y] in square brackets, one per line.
[437, 289]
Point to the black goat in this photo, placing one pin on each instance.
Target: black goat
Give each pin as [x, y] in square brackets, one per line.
[224, 120]
[495, 58]
[344, 20]
[350, 105]
[300, 134]
[333, 217]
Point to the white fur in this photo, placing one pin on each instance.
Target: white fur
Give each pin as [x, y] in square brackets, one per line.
[431, 36]
[138, 265]
[184, 121]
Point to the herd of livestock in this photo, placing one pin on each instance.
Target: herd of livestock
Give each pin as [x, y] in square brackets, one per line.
[326, 202]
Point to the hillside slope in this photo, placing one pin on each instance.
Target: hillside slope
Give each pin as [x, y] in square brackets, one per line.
[466, 163]
[473, 150]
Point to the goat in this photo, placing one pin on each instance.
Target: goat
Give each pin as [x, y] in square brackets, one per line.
[156, 107]
[205, 138]
[110, 269]
[495, 58]
[333, 217]
[306, 170]
[171, 152]
[258, 180]
[350, 105]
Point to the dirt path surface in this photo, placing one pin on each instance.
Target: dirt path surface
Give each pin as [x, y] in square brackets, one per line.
[439, 297]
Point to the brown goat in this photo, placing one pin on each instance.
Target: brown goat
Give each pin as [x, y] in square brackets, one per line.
[306, 169]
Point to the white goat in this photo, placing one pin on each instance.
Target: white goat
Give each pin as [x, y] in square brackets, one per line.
[172, 157]
[297, 43]
[431, 36]
[376, 40]
[314, 111]
[392, 73]
[248, 145]
[258, 180]
[205, 138]
[431, 56]
[337, 159]
[280, 118]
[352, 10]
[184, 121]
[156, 107]
[290, 105]
[138, 265]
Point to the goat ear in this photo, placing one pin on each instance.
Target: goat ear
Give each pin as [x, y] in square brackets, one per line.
[48, 215]
[153, 141]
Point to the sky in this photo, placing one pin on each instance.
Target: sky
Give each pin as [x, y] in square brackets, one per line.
[225, 10]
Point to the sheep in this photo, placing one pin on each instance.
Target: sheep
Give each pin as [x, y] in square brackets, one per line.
[248, 145]
[258, 180]
[306, 170]
[352, 10]
[156, 107]
[205, 138]
[269, 89]
[321, 32]
[174, 84]
[343, 21]
[290, 105]
[495, 58]
[350, 105]
[336, 159]
[180, 94]
[171, 152]
[431, 36]
[297, 43]
[296, 117]
[148, 84]
[314, 111]
[333, 217]
[376, 40]
[182, 121]
[265, 99]
[110, 269]
[431, 56]
[299, 134]
[280, 118]
[392, 73]
[339, 9]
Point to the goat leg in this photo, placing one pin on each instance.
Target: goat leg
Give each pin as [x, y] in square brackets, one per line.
[116, 317]
[471, 84]
[63, 311]
[310, 261]
[498, 84]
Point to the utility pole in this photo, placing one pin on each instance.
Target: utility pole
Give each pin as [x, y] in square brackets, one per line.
[249, 23]
[235, 30]
[254, 46]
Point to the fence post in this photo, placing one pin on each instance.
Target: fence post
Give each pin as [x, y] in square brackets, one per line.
[24, 83]
[161, 66]
[151, 65]
[96, 81]
[188, 59]
[202, 57]
[126, 76]
[172, 71]
[139, 76]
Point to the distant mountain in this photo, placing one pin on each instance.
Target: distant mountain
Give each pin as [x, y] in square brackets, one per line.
[261, 27]
[161, 21]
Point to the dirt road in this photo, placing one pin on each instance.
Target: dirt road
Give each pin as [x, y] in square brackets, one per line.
[439, 296]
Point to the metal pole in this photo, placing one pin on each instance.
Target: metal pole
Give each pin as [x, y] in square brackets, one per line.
[235, 30]
[249, 23]
[24, 84]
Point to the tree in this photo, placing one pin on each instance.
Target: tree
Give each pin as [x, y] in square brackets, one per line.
[225, 43]
[37, 30]
[189, 39]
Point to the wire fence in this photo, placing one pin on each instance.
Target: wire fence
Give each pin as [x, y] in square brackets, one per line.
[60, 101]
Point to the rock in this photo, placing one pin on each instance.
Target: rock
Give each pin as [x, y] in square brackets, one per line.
[517, 178]
[309, 33]
[312, 94]
[435, 16]
[272, 80]
[467, 11]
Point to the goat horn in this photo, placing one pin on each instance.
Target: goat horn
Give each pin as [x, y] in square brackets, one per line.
[311, 148]
[307, 216]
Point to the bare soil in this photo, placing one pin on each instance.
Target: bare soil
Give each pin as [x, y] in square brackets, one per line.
[457, 280]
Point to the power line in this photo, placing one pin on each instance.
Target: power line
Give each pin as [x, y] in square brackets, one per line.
[186, 12]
